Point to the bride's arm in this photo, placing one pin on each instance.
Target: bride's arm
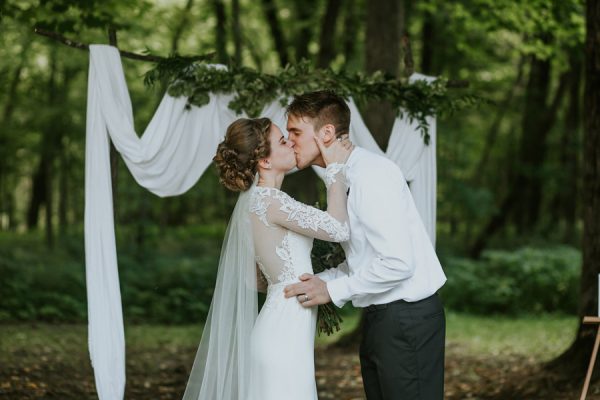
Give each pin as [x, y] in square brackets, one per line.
[331, 225]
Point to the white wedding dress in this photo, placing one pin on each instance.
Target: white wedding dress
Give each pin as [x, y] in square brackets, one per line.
[282, 342]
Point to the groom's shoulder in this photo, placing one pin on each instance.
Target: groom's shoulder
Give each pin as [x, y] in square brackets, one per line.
[369, 164]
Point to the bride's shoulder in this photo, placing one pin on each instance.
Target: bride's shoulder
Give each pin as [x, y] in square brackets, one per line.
[263, 192]
[267, 201]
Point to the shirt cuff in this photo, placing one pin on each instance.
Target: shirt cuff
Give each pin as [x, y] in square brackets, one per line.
[339, 291]
[324, 275]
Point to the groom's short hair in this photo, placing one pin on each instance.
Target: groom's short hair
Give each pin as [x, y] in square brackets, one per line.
[323, 107]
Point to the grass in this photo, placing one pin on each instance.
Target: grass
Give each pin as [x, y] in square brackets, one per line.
[540, 336]
[52, 361]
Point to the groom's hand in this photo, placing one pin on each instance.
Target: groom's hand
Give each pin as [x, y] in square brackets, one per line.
[311, 286]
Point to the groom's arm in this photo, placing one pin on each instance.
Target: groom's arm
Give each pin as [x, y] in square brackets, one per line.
[334, 273]
[383, 211]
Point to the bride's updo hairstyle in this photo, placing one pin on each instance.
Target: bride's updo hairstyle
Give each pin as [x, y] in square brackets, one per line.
[246, 142]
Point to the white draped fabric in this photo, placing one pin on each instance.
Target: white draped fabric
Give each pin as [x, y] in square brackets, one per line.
[168, 159]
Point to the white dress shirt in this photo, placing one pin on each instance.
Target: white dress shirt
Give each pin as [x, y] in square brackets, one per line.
[389, 255]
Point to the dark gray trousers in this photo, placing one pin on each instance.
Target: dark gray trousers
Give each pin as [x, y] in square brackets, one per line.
[402, 350]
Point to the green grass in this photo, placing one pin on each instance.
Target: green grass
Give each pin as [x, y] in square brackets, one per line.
[541, 337]
[52, 361]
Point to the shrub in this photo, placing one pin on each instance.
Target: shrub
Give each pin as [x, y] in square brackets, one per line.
[528, 280]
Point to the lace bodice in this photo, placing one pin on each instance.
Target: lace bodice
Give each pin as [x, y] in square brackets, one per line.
[284, 229]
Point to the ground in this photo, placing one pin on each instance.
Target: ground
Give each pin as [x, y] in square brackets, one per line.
[486, 358]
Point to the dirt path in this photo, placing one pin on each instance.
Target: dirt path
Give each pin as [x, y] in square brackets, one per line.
[50, 373]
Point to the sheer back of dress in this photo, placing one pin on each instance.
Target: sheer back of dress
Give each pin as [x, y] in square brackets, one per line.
[283, 231]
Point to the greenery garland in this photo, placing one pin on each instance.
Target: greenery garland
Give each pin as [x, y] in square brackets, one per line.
[253, 90]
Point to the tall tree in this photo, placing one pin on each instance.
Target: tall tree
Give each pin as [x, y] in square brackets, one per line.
[574, 360]
[236, 30]
[350, 30]
[327, 38]
[42, 188]
[564, 204]
[7, 202]
[494, 130]
[385, 24]
[539, 115]
[220, 31]
[525, 194]
[303, 24]
[181, 26]
[428, 43]
[270, 10]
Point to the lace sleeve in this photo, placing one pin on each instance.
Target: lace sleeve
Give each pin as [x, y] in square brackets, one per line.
[331, 225]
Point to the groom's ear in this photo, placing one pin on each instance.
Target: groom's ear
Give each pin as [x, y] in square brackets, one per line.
[328, 134]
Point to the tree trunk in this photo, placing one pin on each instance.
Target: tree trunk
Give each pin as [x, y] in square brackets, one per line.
[428, 42]
[184, 20]
[220, 33]
[274, 26]
[385, 23]
[492, 135]
[304, 21]
[6, 189]
[564, 204]
[236, 31]
[574, 361]
[63, 193]
[525, 194]
[327, 37]
[37, 198]
[41, 189]
[532, 147]
[64, 164]
[350, 30]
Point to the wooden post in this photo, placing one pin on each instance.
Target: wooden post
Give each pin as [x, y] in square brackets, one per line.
[588, 377]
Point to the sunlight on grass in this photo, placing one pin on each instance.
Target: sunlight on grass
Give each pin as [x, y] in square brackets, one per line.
[542, 337]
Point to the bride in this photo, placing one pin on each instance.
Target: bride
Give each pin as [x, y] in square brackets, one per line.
[267, 245]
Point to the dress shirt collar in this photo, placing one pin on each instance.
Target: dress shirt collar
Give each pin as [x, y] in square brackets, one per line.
[352, 158]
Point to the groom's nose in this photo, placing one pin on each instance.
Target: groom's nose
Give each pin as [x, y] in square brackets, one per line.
[290, 143]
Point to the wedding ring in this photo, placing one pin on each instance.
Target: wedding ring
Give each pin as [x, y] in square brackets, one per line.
[305, 297]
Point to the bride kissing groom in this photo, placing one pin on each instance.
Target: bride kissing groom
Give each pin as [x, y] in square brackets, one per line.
[391, 269]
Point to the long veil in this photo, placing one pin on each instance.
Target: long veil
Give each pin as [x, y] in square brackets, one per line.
[222, 367]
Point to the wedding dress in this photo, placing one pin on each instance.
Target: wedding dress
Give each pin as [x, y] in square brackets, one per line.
[270, 356]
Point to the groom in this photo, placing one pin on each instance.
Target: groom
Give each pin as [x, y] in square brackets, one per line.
[391, 269]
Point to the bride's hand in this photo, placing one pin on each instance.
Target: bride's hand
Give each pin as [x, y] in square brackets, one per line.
[337, 151]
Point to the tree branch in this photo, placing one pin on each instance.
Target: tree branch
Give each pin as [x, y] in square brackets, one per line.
[126, 54]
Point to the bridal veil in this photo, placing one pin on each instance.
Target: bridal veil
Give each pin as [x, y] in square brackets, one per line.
[222, 367]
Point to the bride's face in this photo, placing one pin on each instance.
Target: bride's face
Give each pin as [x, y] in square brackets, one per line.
[301, 133]
[282, 155]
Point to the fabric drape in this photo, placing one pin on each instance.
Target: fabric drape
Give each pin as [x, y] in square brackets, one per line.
[168, 159]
